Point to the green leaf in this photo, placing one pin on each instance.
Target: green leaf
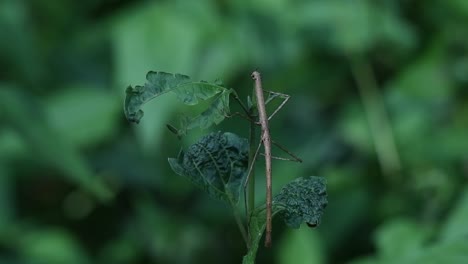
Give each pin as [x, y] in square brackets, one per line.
[215, 113]
[401, 237]
[350, 25]
[96, 114]
[51, 246]
[187, 91]
[25, 116]
[217, 163]
[302, 200]
[454, 251]
[301, 247]
[455, 226]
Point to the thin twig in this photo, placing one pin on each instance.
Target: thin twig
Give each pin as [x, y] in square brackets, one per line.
[267, 146]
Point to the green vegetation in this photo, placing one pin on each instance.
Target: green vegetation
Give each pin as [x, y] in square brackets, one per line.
[378, 107]
[219, 162]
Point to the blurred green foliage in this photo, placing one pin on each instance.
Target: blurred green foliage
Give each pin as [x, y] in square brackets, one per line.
[379, 107]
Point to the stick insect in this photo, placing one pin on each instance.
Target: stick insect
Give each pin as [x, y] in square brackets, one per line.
[266, 141]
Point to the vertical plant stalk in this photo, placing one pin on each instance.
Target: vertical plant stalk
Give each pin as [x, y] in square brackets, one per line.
[240, 225]
[378, 119]
[263, 118]
[252, 157]
[249, 184]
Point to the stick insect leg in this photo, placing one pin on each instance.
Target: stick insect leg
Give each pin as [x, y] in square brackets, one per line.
[238, 114]
[280, 158]
[274, 95]
[236, 97]
[294, 157]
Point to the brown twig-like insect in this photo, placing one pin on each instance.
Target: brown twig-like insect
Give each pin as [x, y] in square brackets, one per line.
[265, 138]
[266, 141]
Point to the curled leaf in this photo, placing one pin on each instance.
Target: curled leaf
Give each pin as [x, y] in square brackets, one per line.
[214, 114]
[158, 84]
[302, 200]
[188, 92]
[217, 163]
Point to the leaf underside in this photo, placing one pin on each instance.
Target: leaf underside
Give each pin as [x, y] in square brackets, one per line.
[186, 90]
[217, 163]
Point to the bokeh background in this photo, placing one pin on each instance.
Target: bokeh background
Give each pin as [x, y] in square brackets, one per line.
[378, 107]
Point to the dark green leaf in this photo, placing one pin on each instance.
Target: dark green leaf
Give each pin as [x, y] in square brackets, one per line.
[187, 91]
[217, 163]
[303, 200]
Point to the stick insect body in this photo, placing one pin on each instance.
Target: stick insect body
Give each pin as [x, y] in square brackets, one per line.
[266, 141]
[267, 146]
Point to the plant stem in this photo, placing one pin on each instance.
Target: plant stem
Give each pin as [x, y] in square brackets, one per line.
[377, 116]
[251, 183]
[250, 203]
[249, 187]
[241, 226]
